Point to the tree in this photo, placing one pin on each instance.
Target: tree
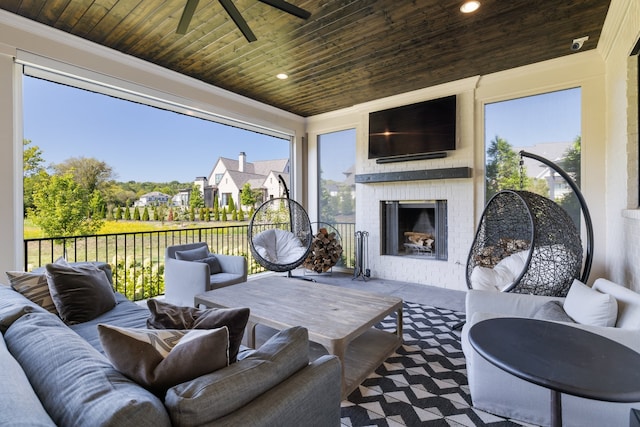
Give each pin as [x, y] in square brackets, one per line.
[127, 212]
[118, 214]
[571, 165]
[170, 217]
[224, 214]
[248, 196]
[192, 213]
[230, 205]
[328, 209]
[145, 214]
[346, 200]
[207, 214]
[503, 168]
[89, 173]
[32, 158]
[34, 172]
[136, 213]
[196, 199]
[62, 207]
[216, 209]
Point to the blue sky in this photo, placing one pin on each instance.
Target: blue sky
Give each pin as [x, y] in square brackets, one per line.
[140, 143]
[523, 122]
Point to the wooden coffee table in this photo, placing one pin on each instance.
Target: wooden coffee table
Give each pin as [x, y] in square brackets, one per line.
[339, 319]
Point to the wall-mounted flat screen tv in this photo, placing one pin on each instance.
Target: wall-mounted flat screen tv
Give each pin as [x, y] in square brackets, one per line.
[425, 127]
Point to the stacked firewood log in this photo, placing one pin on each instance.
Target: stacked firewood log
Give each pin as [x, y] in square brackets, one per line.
[325, 252]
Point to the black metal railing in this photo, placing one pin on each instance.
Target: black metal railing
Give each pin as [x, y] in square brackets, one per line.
[137, 259]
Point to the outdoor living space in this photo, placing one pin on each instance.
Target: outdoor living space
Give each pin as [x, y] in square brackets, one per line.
[413, 216]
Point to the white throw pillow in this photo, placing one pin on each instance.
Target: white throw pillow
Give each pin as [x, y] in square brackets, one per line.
[500, 276]
[590, 307]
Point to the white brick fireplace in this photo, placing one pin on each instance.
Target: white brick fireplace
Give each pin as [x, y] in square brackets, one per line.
[418, 181]
[460, 230]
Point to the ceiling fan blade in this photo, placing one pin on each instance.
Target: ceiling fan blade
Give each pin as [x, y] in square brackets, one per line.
[187, 14]
[288, 7]
[234, 13]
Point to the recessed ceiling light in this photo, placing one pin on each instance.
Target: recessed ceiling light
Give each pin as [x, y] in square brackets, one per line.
[282, 76]
[469, 6]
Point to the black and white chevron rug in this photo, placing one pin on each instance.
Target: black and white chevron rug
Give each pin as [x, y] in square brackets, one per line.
[424, 383]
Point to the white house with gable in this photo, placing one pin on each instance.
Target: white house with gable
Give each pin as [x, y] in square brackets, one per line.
[228, 177]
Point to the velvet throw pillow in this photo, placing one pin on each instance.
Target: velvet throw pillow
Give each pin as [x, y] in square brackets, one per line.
[80, 293]
[168, 316]
[212, 262]
[193, 254]
[159, 359]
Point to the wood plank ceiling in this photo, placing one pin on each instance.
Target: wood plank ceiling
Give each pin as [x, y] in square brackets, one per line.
[347, 52]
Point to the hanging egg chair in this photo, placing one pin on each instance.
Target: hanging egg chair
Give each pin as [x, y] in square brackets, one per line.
[280, 234]
[527, 243]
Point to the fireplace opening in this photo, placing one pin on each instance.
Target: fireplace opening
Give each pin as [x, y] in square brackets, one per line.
[414, 229]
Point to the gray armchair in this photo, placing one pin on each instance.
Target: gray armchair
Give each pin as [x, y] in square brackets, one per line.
[187, 275]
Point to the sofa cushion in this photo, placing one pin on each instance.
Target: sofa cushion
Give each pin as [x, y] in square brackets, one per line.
[80, 293]
[193, 254]
[19, 404]
[33, 286]
[212, 262]
[590, 307]
[190, 403]
[76, 384]
[126, 314]
[13, 306]
[278, 246]
[501, 275]
[168, 316]
[552, 310]
[628, 303]
[161, 358]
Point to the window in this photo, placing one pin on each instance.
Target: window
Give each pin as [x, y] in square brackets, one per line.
[82, 119]
[337, 154]
[547, 125]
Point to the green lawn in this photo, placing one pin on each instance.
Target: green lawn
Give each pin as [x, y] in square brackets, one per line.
[32, 231]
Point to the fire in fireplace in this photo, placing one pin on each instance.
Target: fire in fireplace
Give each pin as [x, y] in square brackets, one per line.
[414, 228]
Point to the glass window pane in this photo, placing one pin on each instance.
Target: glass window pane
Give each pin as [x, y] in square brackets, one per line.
[547, 125]
[337, 154]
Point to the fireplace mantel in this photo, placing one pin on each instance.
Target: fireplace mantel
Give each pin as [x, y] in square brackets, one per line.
[426, 174]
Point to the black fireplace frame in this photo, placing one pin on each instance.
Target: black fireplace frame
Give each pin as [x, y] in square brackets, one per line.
[389, 230]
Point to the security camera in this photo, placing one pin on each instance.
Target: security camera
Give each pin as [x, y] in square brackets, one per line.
[577, 43]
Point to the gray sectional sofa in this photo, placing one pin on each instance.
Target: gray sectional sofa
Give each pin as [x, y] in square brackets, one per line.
[498, 392]
[55, 374]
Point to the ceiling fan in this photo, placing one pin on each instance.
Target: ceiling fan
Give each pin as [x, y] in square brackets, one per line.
[235, 15]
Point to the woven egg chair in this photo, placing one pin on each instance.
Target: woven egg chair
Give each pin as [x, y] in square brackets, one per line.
[280, 234]
[527, 243]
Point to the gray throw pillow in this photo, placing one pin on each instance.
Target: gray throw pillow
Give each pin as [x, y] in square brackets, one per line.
[168, 316]
[159, 359]
[193, 254]
[212, 262]
[552, 310]
[80, 293]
